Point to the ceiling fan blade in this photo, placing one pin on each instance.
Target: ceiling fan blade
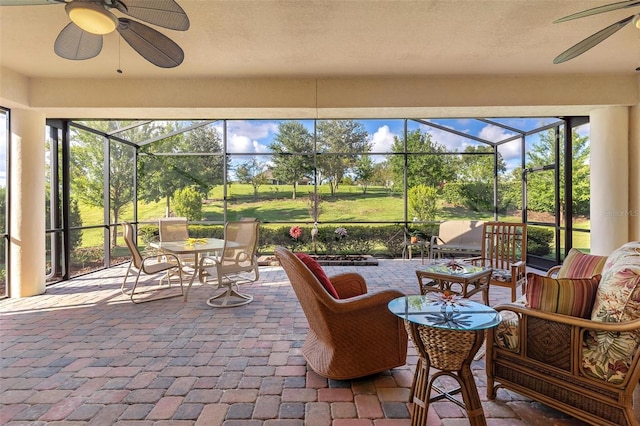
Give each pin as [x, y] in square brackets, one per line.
[152, 45]
[600, 9]
[591, 41]
[76, 44]
[28, 2]
[163, 13]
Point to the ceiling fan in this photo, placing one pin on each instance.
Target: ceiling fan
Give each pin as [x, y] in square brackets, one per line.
[91, 19]
[594, 39]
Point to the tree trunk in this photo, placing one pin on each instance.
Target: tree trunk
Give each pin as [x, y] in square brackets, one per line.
[295, 189]
[114, 242]
[167, 212]
[334, 187]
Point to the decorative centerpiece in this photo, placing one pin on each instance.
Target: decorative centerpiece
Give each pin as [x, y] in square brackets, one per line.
[449, 313]
[456, 267]
[195, 241]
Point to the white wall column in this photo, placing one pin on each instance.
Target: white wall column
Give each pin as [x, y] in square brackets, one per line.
[634, 171]
[27, 226]
[609, 179]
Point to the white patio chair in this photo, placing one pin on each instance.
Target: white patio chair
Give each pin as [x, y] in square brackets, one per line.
[175, 229]
[150, 266]
[236, 263]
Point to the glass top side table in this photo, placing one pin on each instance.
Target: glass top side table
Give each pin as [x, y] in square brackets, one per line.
[454, 276]
[447, 333]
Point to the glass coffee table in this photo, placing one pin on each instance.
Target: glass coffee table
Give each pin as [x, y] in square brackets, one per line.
[454, 277]
[447, 332]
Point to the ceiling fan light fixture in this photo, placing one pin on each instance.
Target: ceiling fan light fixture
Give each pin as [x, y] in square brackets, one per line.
[91, 17]
[636, 21]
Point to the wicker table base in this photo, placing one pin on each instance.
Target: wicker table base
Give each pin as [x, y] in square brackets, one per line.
[451, 352]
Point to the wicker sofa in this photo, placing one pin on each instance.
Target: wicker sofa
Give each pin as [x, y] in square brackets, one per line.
[587, 367]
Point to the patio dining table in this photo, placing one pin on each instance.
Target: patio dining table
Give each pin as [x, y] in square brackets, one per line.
[194, 246]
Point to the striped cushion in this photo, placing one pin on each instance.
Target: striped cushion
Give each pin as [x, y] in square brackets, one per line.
[581, 265]
[568, 296]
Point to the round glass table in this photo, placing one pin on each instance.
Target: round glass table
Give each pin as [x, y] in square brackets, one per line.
[447, 331]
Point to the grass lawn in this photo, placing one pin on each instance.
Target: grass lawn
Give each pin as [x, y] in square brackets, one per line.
[274, 204]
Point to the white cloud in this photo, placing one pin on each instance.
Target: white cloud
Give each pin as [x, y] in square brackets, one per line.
[511, 150]
[252, 129]
[237, 143]
[382, 140]
[245, 136]
[451, 141]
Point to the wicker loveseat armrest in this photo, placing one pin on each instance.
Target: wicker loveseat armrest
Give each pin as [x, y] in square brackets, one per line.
[553, 271]
[349, 284]
[573, 321]
[568, 343]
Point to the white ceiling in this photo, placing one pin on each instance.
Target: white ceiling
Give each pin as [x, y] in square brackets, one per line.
[326, 38]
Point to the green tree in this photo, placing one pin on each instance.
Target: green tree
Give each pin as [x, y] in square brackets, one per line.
[364, 171]
[87, 171]
[188, 203]
[426, 164]
[75, 219]
[423, 202]
[541, 185]
[339, 142]
[254, 173]
[475, 181]
[510, 190]
[182, 160]
[293, 147]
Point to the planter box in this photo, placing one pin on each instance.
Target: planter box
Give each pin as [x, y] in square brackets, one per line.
[329, 260]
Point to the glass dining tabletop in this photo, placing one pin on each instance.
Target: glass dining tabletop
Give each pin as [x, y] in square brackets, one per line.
[440, 311]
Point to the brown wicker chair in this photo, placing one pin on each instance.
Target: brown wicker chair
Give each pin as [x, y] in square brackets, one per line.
[504, 248]
[350, 337]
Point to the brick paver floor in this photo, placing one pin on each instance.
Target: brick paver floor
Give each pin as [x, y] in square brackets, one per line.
[83, 354]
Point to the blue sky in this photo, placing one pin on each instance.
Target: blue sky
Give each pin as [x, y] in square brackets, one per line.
[255, 136]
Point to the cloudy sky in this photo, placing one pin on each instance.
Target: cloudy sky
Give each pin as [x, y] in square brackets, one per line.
[255, 136]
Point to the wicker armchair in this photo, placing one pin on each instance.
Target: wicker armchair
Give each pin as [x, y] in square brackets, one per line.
[549, 357]
[350, 337]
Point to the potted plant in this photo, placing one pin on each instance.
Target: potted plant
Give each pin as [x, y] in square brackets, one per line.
[415, 236]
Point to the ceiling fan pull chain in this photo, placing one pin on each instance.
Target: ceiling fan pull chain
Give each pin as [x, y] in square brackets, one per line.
[119, 70]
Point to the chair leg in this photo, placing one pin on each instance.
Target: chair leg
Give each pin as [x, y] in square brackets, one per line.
[132, 293]
[230, 297]
[124, 282]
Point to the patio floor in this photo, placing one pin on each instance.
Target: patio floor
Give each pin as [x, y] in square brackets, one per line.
[83, 354]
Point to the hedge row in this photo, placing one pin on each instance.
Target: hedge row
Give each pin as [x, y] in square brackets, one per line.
[382, 241]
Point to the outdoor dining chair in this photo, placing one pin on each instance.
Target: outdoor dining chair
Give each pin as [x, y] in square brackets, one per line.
[175, 229]
[150, 266]
[237, 263]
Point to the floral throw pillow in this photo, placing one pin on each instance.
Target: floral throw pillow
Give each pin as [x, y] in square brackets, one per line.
[607, 355]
